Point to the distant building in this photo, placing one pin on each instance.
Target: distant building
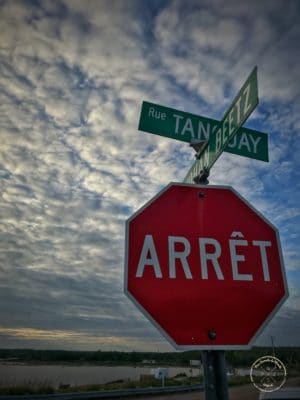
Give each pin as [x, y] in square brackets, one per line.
[160, 373]
[195, 363]
[242, 372]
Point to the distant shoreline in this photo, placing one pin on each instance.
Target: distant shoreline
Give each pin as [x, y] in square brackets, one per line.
[93, 364]
[290, 356]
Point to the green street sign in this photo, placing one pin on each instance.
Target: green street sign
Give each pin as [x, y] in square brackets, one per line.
[240, 109]
[179, 125]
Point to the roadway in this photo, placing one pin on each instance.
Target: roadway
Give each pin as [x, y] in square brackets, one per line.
[245, 392]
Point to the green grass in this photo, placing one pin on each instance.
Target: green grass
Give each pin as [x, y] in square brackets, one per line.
[238, 380]
[45, 388]
[26, 389]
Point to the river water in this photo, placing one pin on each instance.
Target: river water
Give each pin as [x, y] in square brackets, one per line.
[56, 375]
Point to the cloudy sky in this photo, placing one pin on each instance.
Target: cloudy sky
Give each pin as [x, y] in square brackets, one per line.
[74, 167]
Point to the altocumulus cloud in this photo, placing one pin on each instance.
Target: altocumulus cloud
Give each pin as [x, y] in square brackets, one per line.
[73, 166]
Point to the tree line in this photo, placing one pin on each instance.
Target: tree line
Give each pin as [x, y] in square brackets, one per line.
[290, 356]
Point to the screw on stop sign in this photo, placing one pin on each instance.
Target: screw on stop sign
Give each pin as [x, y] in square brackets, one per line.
[204, 266]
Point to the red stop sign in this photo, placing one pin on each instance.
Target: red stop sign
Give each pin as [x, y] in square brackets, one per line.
[204, 266]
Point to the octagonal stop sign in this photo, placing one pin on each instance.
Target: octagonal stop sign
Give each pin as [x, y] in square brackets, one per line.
[204, 266]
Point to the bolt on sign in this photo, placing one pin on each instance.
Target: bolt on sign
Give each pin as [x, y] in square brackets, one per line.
[204, 266]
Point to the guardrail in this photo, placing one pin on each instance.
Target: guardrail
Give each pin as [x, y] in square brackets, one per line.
[107, 394]
[281, 394]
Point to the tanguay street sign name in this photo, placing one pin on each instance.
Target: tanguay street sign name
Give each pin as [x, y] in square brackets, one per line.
[183, 126]
[240, 109]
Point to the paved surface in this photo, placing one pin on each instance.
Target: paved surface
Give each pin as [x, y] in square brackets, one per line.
[245, 392]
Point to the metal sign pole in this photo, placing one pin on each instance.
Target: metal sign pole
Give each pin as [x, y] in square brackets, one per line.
[215, 378]
[221, 376]
[214, 368]
[209, 375]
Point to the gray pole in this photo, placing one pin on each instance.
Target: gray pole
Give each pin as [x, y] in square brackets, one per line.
[215, 378]
[273, 349]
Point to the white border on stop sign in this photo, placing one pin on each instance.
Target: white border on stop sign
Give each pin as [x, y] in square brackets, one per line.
[150, 318]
